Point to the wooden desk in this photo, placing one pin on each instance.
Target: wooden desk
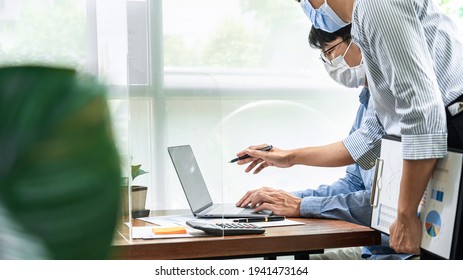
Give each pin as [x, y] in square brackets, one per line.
[312, 237]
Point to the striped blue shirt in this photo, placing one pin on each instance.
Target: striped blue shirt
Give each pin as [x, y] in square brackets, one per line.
[348, 198]
[414, 60]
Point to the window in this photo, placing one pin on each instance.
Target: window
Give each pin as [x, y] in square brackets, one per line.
[253, 38]
[235, 34]
[454, 9]
[238, 73]
[217, 74]
[47, 32]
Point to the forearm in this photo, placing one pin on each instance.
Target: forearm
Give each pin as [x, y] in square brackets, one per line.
[415, 177]
[331, 155]
[353, 207]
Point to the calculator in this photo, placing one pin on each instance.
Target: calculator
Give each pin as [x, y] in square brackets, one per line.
[220, 229]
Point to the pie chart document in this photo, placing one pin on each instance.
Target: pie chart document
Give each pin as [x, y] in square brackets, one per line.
[439, 204]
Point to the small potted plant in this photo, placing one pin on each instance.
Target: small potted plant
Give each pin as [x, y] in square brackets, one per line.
[138, 194]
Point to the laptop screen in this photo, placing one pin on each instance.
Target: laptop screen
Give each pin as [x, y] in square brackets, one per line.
[190, 177]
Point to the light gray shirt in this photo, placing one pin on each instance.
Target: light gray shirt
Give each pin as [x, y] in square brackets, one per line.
[414, 61]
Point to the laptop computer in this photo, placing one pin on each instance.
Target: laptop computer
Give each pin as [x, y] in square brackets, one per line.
[196, 191]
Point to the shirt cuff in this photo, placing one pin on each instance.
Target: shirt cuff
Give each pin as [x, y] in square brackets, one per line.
[311, 207]
[425, 146]
[362, 153]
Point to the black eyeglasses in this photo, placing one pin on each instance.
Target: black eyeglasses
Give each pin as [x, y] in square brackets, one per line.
[323, 54]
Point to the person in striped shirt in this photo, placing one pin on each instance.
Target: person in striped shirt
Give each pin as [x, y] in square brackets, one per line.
[414, 61]
[346, 199]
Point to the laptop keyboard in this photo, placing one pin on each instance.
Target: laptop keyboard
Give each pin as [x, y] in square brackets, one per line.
[228, 208]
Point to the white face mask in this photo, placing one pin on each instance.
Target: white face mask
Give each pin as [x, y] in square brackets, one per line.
[324, 17]
[341, 72]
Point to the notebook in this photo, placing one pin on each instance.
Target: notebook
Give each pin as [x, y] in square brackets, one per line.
[196, 191]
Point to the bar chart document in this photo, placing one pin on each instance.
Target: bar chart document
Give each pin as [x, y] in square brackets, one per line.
[438, 207]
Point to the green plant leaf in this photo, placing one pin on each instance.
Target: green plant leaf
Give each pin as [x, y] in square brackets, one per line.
[60, 171]
[137, 171]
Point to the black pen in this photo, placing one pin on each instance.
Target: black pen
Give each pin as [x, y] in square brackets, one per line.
[266, 148]
[263, 219]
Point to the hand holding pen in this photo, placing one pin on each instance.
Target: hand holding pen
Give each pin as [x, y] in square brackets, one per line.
[246, 155]
[256, 155]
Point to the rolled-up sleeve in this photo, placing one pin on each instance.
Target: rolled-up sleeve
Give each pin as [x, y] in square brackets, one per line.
[364, 144]
[403, 71]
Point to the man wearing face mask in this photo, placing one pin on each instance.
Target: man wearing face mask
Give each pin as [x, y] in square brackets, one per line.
[347, 199]
[414, 60]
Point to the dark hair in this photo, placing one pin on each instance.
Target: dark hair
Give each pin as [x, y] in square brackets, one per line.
[318, 38]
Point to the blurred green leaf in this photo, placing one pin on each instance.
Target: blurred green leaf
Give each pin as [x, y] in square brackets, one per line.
[60, 171]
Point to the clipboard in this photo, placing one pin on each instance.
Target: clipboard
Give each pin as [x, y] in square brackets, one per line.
[440, 209]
